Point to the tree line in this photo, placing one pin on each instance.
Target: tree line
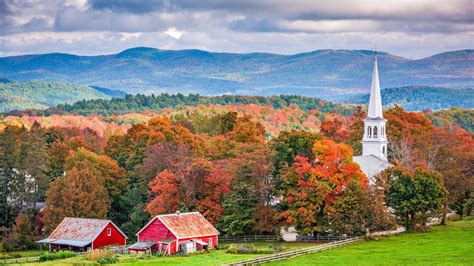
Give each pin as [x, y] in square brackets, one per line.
[241, 181]
[141, 102]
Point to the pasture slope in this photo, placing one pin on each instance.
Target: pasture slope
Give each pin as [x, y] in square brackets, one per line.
[443, 245]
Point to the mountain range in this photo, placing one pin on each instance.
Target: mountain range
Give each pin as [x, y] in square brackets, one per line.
[329, 74]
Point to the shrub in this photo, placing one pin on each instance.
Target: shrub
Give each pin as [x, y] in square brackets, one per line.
[56, 256]
[98, 254]
[246, 249]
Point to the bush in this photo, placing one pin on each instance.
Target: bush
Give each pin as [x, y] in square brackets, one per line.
[56, 256]
[246, 249]
[98, 254]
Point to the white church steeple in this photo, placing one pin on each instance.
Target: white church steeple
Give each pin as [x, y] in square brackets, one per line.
[375, 102]
[374, 141]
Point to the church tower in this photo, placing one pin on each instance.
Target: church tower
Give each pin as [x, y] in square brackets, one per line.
[375, 141]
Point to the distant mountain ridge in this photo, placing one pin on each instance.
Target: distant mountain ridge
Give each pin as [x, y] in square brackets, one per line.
[322, 73]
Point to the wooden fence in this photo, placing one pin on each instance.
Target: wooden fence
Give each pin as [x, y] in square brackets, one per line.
[319, 238]
[293, 253]
[254, 238]
[19, 260]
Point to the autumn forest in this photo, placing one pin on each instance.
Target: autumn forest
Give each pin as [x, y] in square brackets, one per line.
[249, 169]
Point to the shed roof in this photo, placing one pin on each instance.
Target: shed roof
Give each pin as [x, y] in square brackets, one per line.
[78, 231]
[142, 245]
[186, 225]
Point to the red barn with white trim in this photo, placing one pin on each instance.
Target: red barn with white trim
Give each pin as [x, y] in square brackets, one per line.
[82, 234]
[170, 233]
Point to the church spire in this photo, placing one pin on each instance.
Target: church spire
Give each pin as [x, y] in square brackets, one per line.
[375, 103]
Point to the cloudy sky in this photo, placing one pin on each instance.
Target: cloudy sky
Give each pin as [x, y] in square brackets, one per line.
[409, 28]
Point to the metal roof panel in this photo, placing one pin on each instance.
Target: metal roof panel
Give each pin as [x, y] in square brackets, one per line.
[187, 225]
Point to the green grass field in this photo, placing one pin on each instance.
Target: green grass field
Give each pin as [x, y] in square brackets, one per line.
[444, 245]
[214, 257]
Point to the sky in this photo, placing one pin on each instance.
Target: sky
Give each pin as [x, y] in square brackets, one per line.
[409, 28]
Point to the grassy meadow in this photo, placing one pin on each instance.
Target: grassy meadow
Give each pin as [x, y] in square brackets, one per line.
[443, 245]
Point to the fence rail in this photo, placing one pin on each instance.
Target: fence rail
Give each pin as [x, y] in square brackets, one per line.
[19, 260]
[293, 253]
[254, 238]
[319, 238]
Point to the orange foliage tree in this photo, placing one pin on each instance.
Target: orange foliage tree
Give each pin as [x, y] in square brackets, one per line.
[312, 190]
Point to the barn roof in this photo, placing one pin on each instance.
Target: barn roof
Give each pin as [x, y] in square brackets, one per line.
[186, 225]
[78, 231]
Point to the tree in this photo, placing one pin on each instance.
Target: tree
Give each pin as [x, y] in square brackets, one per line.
[379, 217]
[23, 232]
[288, 145]
[246, 130]
[247, 207]
[240, 205]
[312, 190]
[34, 164]
[81, 193]
[413, 193]
[10, 180]
[335, 127]
[448, 150]
[165, 186]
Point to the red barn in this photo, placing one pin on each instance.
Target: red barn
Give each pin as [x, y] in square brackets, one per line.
[172, 233]
[82, 234]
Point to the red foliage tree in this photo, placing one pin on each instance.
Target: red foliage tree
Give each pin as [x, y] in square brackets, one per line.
[311, 189]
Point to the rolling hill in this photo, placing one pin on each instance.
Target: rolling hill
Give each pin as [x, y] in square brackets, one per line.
[324, 73]
[43, 94]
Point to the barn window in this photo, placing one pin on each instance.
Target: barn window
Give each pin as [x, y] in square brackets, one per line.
[369, 132]
[210, 242]
[375, 132]
[109, 232]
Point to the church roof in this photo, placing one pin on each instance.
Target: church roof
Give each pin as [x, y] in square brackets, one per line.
[371, 165]
[375, 102]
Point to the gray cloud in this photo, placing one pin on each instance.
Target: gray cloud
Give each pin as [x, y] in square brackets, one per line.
[407, 27]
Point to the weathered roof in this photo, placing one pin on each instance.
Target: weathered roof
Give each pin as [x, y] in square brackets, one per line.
[78, 231]
[65, 242]
[142, 245]
[186, 225]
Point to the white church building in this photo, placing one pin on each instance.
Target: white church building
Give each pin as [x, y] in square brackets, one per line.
[374, 143]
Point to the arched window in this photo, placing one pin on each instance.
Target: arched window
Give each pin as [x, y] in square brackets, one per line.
[369, 132]
[383, 151]
[382, 131]
[375, 132]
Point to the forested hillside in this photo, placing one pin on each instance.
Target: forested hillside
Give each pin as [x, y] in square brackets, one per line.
[43, 94]
[139, 103]
[461, 117]
[418, 98]
[324, 73]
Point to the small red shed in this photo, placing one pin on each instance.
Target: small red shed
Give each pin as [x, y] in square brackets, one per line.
[82, 234]
[172, 233]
